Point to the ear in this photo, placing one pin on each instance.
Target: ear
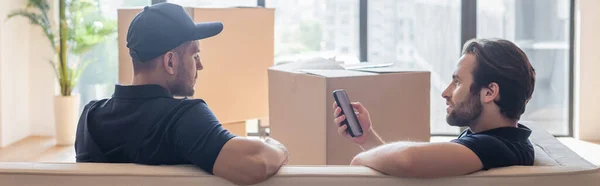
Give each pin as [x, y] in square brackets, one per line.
[169, 62]
[491, 93]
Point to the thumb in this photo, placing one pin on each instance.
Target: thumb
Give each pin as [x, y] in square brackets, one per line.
[359, 107]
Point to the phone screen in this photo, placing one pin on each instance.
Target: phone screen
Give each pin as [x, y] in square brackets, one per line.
[343, 101]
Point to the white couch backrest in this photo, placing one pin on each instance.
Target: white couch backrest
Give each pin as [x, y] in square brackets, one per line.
[555, 165]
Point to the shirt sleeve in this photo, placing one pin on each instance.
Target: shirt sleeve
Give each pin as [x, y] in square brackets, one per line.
[199, 137]
[491, 151]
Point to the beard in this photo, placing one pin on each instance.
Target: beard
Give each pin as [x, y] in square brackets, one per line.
[183, 85]
[465, 113]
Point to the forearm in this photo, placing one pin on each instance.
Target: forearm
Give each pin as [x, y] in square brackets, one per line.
[392, 159]
[373, 140]
[421, 160]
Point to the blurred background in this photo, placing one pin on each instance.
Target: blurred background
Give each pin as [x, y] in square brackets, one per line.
[421, 34]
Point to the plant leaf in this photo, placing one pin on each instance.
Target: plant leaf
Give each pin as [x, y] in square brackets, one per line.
[36, 19]
[40, 4]
[80, 27]
[79, 70]
[86, 27]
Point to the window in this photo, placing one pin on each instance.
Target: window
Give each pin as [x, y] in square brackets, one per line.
[541, 29]
[315, 28]
[434, 30]
[214, 3]
[345, 49]
[426, 35]
[101, 75]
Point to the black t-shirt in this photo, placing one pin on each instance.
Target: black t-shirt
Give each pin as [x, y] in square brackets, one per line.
[146, 125]
[500, 147]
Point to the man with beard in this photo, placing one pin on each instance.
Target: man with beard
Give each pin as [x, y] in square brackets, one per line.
[143, 123]
[490, 88]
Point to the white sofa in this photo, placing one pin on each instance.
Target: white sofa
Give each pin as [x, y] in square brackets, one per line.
[555, 165]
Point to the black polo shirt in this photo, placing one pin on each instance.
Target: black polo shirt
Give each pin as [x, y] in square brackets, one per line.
[500, 147]
[146, 125]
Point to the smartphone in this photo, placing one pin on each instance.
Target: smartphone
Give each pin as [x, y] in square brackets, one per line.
[343, 101]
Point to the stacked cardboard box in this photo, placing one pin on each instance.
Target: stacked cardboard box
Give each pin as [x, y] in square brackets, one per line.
[301, 113]
[234, 79]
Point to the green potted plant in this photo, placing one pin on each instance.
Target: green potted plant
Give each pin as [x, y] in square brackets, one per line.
[77, 29]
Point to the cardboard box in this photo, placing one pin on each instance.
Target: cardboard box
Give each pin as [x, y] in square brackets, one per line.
[234, 79]
[237, 128]
[301, 114]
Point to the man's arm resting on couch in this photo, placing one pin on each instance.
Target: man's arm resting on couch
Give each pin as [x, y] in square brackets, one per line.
[247, 161]
[200, 138]
[421, 160]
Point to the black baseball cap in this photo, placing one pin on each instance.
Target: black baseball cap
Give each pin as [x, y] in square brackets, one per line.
[162, 27]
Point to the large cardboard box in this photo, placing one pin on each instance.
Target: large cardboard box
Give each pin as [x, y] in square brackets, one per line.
[236, 128]
[234, 79]
[234, 82]
[301, 114]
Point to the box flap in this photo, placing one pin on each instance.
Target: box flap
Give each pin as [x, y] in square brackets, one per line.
[330, 68]
[313, 63]
[365, 65]
[337, 73]
[391, 69]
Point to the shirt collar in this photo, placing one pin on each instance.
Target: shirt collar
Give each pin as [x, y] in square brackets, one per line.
[522, 132]
[141, 91]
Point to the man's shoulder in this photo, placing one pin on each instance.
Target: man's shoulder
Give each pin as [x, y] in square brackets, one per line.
[96, 103]
[156, 101]
[190, 110]
[502, 134]
[164, 108]
[181, 102]
[491, 139]
[498, 150]
[189, 104]
[478, 139]
[177, 107]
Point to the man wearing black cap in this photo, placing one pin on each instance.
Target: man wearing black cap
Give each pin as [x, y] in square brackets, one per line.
[144, 123]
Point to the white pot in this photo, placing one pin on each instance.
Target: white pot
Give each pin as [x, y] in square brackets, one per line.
[66, 114]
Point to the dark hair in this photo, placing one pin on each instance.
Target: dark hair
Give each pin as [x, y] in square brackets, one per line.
[504, 63]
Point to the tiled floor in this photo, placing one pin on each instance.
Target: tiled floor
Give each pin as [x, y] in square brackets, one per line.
[42, 149]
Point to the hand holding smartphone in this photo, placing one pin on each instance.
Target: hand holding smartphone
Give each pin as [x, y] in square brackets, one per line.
[351, 121]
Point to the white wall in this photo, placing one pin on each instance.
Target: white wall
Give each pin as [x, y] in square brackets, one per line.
[42, 86]
[27, 82]
[587, 60]
[42, 81]
[14, 75]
